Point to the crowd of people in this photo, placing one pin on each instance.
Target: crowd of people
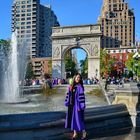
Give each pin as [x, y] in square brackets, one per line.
[57, 81]
[52, 82]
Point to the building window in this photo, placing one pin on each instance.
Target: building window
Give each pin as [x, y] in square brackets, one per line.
[18, 2]
[23, 6]
[29, 1]
[23, 11]
[18, 7]
[22, 23]
[28, 10]
[28, 14]
[18, 15]
[23, 2]
[28, 27]
[17, 19]
[18, 11]
[29, 18]
[109, 7]
[23, 27]
[22, 18]
[28, 31]
[28, 35]
[22, 32]
[28, 6]
[28, 22]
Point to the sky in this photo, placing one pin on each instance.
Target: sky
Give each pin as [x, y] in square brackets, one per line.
[68, 12]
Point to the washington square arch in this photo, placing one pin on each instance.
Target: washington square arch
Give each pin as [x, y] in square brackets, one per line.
[86, 37]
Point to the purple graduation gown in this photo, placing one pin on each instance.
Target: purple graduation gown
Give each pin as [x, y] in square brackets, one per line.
[75, 118]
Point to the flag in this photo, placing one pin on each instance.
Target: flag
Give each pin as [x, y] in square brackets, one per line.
[136, 40]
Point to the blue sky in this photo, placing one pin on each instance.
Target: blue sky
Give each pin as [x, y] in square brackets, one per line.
[69, 12]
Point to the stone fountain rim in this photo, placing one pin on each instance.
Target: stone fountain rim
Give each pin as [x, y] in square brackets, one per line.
[18, 101]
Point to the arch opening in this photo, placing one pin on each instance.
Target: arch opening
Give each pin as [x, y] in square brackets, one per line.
[75, 60]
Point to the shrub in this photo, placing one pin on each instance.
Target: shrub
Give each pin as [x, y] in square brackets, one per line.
[46, 90]
[96, 92]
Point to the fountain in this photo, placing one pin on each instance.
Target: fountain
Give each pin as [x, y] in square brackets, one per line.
[46, 114]
[15, 62]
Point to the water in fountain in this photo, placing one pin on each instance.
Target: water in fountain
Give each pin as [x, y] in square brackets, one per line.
[12, 72]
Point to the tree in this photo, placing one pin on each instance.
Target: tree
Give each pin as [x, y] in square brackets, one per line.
[130, 64]
[106, 63]
[29, 71]
[50, 67]
[84, 67]
[70, 67]
[6, 45]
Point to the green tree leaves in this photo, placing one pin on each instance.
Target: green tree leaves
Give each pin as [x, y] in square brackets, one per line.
[70, 67]
[106, 62]
[131, 62]
[84, 67]
[29, 71]
[6, 45]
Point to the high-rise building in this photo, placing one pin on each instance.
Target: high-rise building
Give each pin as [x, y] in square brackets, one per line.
[117, 24]
[34, 23]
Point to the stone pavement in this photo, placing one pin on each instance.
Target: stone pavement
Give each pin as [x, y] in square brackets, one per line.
[133, 136]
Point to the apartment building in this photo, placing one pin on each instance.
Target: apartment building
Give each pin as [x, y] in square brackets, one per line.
[34, 23]
[117, 24]
[42, 66]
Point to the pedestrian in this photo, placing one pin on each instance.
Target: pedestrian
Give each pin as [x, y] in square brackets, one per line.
[106, 83]
[75, 101]
[70, 81]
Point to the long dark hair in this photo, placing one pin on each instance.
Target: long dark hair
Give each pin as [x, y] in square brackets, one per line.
[80, 82]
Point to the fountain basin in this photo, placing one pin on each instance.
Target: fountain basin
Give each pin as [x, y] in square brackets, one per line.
[15, 101]
[103, 121]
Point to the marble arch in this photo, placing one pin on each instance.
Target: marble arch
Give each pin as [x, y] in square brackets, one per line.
[87, 37]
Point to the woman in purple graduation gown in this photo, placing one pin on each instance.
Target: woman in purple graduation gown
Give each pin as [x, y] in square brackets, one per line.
[75, 101]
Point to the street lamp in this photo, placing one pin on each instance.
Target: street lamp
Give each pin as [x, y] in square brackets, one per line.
[136, 66]
[136, 56]
[96, 71]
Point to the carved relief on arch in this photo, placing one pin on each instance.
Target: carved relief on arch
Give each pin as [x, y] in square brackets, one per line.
[94, 50]
[89, 40]
[64, 48]
[94, 27]
[56, 52]
[91, 49]
[64, 41]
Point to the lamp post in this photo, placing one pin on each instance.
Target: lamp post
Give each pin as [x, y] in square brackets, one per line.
[136, 66]
[96, 72]
[136, 56]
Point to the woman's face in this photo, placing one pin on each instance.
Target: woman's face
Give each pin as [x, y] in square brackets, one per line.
[77, 79]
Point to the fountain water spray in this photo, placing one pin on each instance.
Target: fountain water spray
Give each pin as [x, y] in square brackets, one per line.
[15, 71]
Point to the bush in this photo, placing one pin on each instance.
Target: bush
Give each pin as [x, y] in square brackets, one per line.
[96, 92]
[46, 90]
